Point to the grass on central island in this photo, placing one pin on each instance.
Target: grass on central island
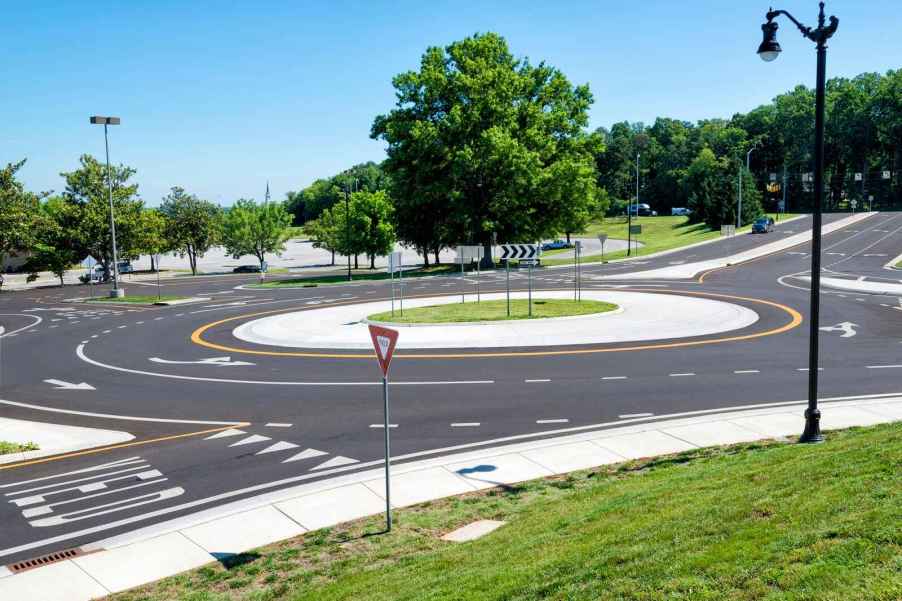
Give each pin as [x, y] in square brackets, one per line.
[15, 447]
[765, 521]
[495, 310]
[136, 300]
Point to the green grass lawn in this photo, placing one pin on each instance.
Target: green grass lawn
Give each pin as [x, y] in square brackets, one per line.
[15, 447]
[495, 310]
[358, 275]
[765, 521]
[658, 234]
[136, 300]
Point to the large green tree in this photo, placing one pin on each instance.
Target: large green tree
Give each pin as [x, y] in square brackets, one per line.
[192, 225]
[476, 141]
[374, 212]
[89, 221]
[19, 214]
[54, 248]
[256, 229]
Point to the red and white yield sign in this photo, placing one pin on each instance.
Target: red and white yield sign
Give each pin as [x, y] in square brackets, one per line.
[384, 341]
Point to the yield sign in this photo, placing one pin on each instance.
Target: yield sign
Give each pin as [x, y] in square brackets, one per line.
[384, 341]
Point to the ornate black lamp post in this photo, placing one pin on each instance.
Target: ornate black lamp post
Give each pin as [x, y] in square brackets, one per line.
[768, 51]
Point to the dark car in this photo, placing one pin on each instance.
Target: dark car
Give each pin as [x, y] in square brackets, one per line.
[249, 269]
[762, 225]
[641, 210]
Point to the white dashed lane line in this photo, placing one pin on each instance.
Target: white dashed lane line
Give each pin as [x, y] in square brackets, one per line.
[614, 378]
[681, 375]
[465, 424]
[537, 381]
[553, 421]
[632, 415]
[747, 371]
[883, 366]
[382, 426]
[278, 425]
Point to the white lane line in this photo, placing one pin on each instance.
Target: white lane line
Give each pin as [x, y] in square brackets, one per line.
[465, 424]
[106, 331]
[382, 426]
[277, 425]
[80, 353]
[138, 323]
[120, 327]
[553, 421]
[632, 415]
[125, 417]
[538, 380]
[747, 371]
[614, 378]
[883, 366]
[807, 369]
[681, 375]
[158, 318]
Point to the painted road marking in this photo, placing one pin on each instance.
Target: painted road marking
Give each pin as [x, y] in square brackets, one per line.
[846, 327]
[747, 371]
[681, 375]
[305, 454]
[252, 439]
[539, 380]
[277, 425]
[279, 446]
[614, 378]
[334, 462]
[553, 421]
[807, 369]
[883, 366]
[632, 415]
[465, 424]
[226, 434]
[63, 385]
[383, 426]
[215, 361]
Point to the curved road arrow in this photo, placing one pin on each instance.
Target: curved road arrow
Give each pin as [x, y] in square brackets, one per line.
[62, 385]
[215, 361]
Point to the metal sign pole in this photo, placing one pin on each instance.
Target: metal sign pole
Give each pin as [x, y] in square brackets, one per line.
[401, 283]
[463, 298]
[575, 259]
[507, 268]
[387, 454]
[579, 275]
[391, 277]
[529, 300]
[478, 261]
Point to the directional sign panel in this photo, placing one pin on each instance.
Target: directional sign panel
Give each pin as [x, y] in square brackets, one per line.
[394, 261]
[472, 252]
[384, 340]
[519, 251]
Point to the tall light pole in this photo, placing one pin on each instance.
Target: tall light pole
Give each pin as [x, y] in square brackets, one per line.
[748, 157]
[116, 292]
[629, 212]
[348, 227]
[768, 51]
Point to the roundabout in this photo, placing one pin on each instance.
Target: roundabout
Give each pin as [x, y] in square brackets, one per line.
[639, 316]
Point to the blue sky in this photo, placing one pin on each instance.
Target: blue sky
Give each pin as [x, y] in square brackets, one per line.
[220, 97]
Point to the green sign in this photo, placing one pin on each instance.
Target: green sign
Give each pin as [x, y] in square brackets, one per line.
[635, 229]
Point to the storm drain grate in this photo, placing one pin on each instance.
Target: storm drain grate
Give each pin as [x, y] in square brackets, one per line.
[43, 560]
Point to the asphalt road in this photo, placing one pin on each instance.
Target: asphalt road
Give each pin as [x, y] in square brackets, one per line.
[138, 362]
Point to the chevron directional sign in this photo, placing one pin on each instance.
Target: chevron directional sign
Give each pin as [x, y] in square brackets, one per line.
[519, 251]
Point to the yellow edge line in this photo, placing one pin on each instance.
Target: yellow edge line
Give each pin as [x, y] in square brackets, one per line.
[120, 446]
[197, 335]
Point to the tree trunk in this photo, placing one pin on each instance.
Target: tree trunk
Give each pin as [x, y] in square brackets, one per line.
[436, 253]
[487, 261]
[425, 256]
[372, 261]
[153, 266]
[333, 256]
[355, 262]
[568, 237]
[192, 259]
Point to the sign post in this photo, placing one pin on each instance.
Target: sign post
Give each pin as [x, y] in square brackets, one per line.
[635, 230]
[394, 264]
[524, 252]
[577, 284]
[156, 262]
[602, 238]
[469, 253]
[89, 264]
[384, 340]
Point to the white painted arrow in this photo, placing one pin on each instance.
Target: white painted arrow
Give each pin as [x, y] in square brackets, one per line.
[846, 327]
[215, 361]
[61, 385]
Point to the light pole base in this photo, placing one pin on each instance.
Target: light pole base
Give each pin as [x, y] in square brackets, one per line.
[117, 293]
[812, 432]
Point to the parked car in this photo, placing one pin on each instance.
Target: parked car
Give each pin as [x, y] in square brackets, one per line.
[680, 212]
[125, 267]
[250, 269]
[641, 210]
[762, 225]
[555, 245]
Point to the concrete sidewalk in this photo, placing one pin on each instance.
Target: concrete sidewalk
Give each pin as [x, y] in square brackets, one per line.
[154, 552]
[691, 270]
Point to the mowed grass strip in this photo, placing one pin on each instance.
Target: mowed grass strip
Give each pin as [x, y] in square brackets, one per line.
[494, 310]
[769, 521]
[658, 234]
[16, 447]
[367, 275]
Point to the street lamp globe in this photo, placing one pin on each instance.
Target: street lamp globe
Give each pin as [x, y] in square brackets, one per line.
[769, 49]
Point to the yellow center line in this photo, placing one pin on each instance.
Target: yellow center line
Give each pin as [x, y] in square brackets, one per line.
[794, 321]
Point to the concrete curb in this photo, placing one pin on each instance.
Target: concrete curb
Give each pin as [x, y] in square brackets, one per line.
[158, 551]
[54, 438]
[892, 264]
[865, 287]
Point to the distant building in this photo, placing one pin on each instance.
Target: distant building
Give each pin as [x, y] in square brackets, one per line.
[14, 262]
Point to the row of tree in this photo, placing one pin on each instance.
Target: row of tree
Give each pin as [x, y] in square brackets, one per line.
[57, 232]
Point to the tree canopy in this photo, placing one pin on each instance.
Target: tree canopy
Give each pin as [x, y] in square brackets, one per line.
[256, 229]
[192, 225]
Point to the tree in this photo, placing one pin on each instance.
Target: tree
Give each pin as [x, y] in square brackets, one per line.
[192, 225]
[374, 213]
[324, 233]
[54, 249]
[19, 211]
[89, 221]
[309, 203]
[256, 229]
[711, 187]
[476, 140]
